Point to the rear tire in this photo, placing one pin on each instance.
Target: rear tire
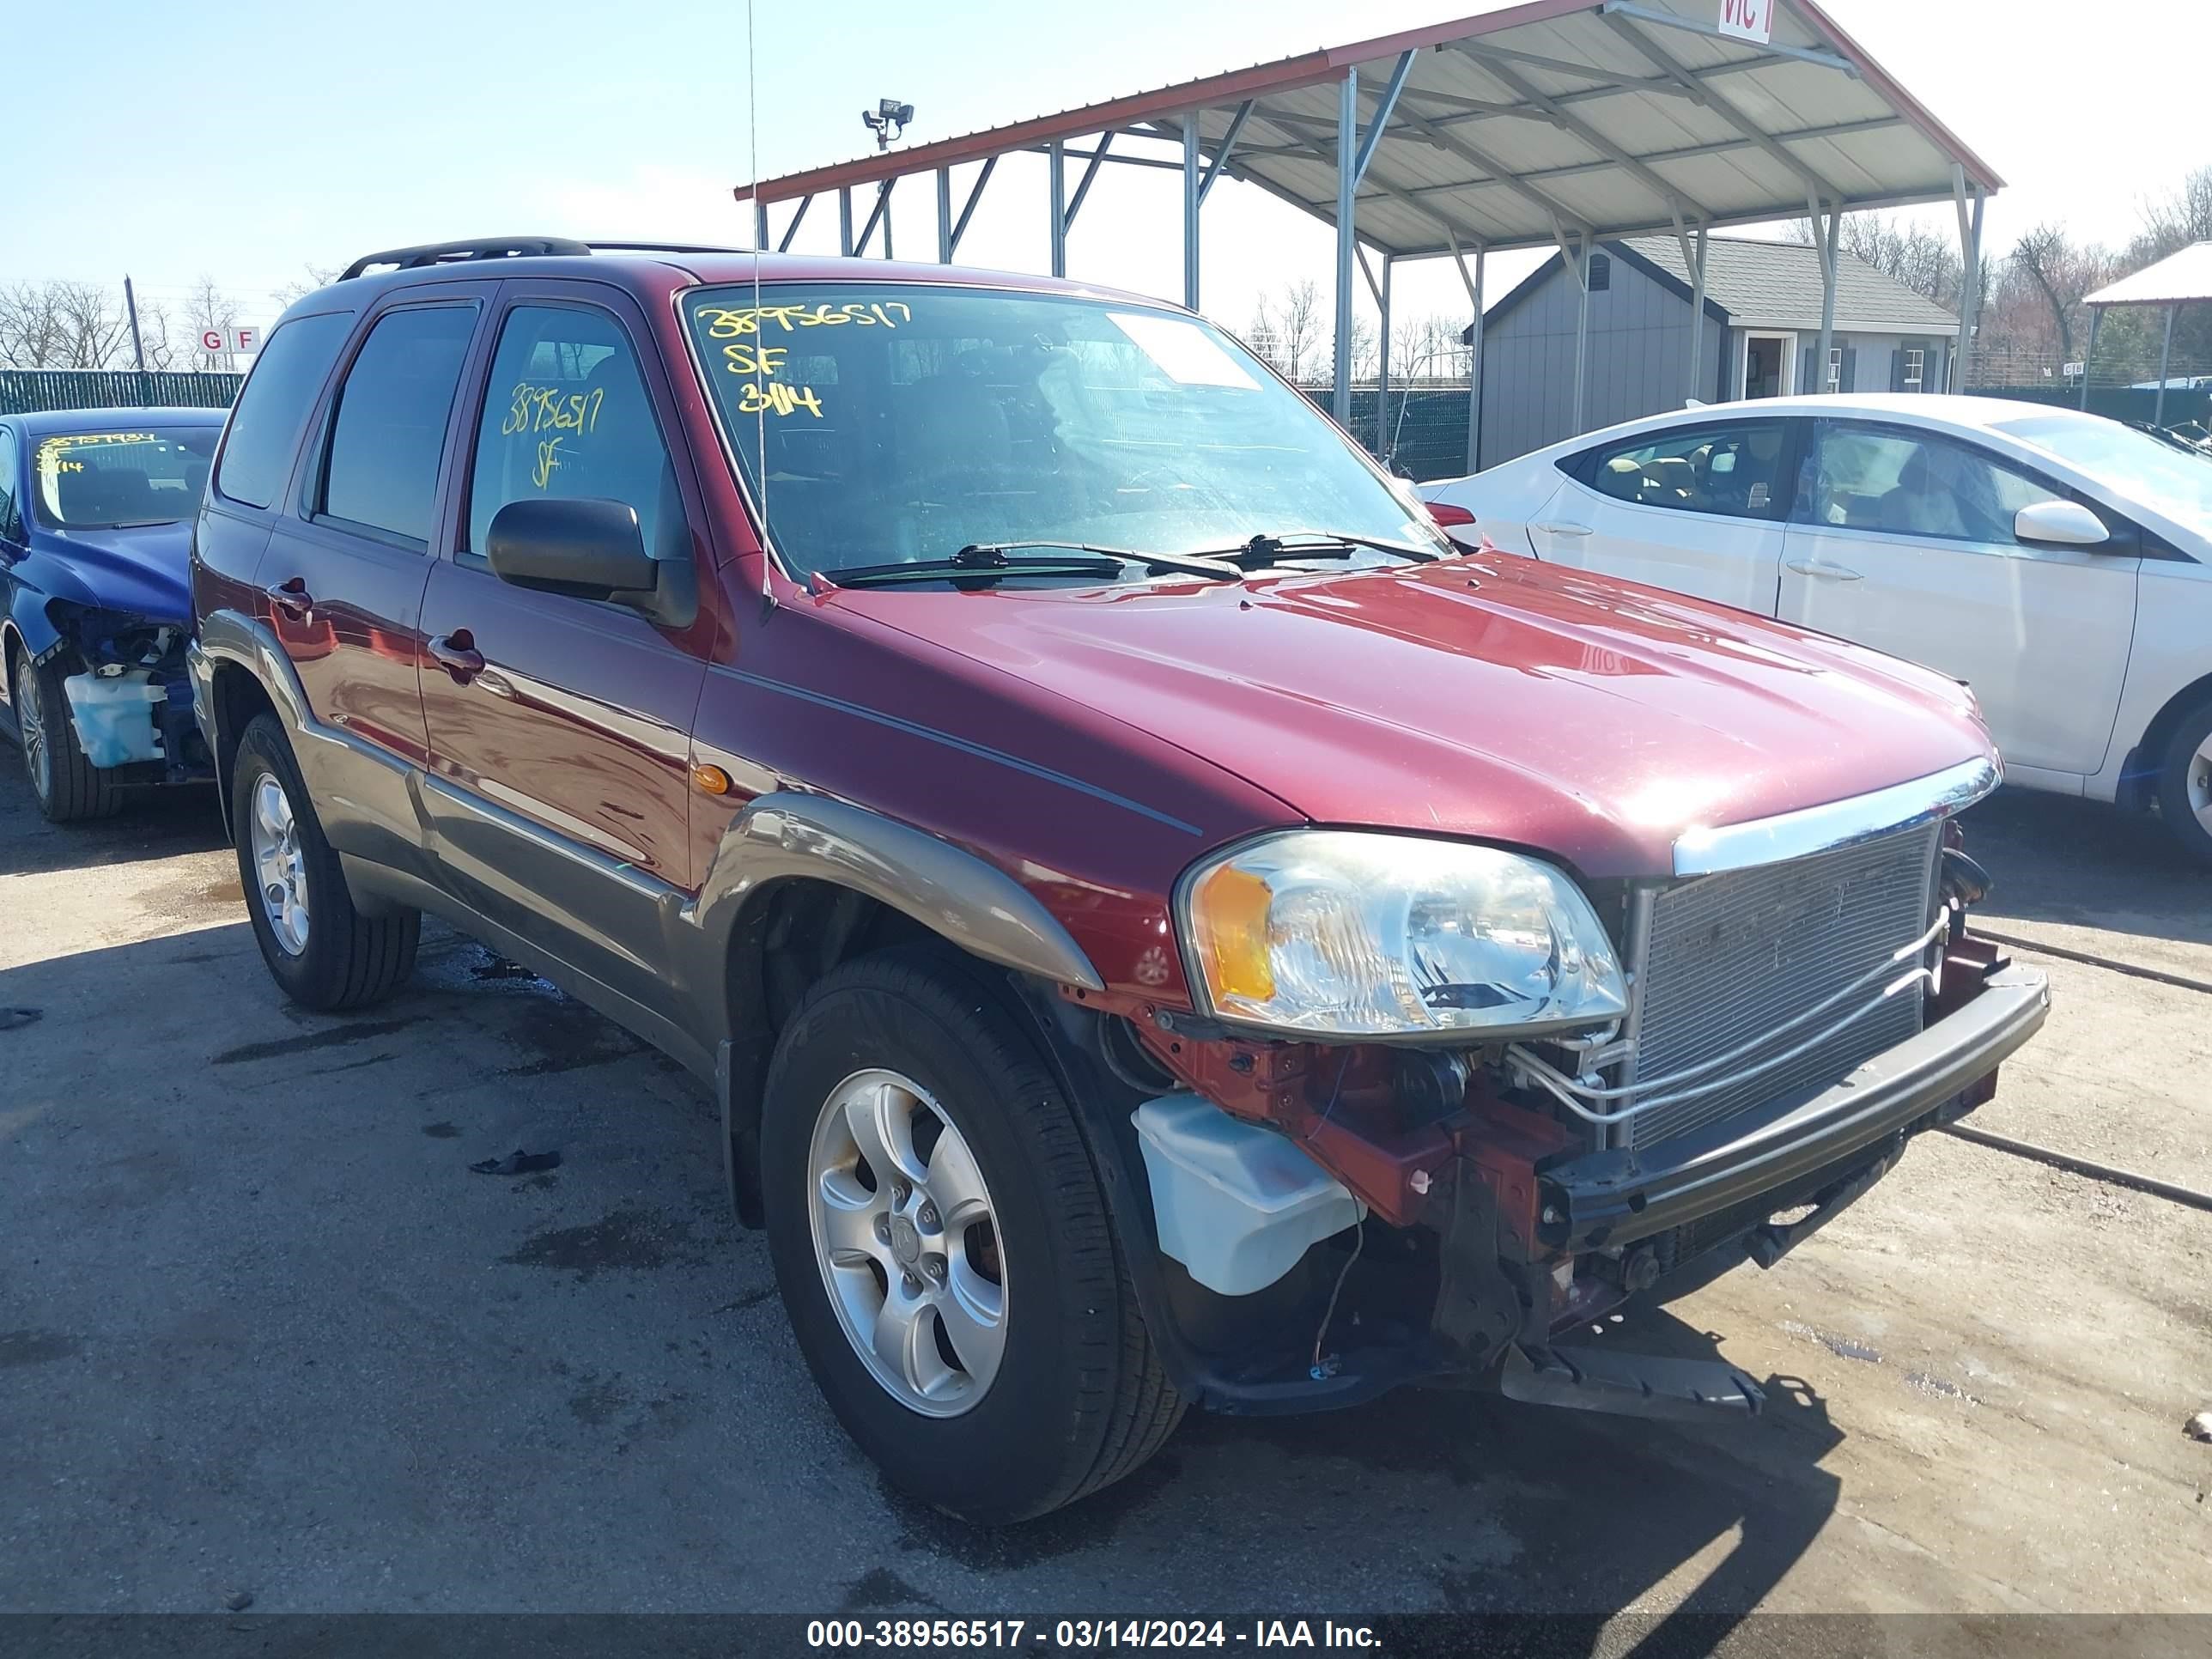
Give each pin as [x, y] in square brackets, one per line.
[68, 788]
[323, 952]
[1075, 1397]
[2184, 783]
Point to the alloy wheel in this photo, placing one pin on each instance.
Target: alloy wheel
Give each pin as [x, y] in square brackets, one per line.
[279, 869]
[908, 1242]
[31, 727]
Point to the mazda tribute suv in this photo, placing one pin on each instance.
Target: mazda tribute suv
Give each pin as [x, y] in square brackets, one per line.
[1162, 925]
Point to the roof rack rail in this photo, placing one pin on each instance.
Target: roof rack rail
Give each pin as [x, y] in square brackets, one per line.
[664, 247]
[435, 253]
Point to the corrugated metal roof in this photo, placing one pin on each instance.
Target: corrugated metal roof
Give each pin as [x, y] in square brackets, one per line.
[1555, 118]
[2175, 280]
[1777, 285]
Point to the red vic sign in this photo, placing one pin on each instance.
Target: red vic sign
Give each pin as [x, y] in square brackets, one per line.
[1748, 19]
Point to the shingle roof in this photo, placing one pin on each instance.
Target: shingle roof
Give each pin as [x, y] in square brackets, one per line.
[1777, 285]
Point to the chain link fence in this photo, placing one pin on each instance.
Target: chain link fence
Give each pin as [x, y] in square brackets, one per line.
[1422, 431]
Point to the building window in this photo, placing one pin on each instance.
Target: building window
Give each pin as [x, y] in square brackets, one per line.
[1915, 361]
[1835, 370]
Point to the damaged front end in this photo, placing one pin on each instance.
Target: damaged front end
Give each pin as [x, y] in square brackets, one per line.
[129, 694]
[1338, 1217]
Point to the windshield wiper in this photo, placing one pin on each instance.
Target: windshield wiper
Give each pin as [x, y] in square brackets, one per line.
[1265, 550]
[993, 561]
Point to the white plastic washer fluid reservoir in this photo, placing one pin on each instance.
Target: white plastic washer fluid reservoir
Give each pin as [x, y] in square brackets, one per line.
[1236, 1203]
[115, 717]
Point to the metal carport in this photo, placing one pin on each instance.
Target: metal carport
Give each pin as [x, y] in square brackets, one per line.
[2183, 277]
[1558, 122]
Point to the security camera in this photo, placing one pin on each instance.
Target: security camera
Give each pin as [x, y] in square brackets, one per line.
[888, 120]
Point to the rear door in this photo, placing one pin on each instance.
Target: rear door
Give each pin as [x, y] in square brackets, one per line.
[1902, 539]
[344, 570]
[559, 727]
[1698, 508]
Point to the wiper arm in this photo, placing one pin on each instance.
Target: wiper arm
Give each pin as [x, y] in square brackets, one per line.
[1265, 550]
[990, 556]
[988, 562]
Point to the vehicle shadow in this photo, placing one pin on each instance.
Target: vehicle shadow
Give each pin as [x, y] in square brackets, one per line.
[2085, 864]
[1521, 1509]
[153, 824]
[341, 1135]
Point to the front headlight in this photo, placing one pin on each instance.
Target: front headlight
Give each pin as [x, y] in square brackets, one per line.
[1341, 933]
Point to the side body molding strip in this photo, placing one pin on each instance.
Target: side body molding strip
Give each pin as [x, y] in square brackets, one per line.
[949, 891]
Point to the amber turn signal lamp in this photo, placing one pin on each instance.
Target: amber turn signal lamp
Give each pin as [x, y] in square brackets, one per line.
[1228, 916]
[711, 779]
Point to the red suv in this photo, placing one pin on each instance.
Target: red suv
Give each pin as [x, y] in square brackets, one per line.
[1164, 925]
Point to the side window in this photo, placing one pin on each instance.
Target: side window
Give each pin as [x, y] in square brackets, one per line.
[381, 468]
[566, 416]
[265, 426]
[1728, 470]
[8, 528]
[1861, 477]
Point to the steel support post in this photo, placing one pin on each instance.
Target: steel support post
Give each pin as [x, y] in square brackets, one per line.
[1830, 237]
[1190, 200]
[2165, 357]
[1474, 375]
[1059, 168]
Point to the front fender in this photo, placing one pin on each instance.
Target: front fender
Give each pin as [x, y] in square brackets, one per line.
[787, 836]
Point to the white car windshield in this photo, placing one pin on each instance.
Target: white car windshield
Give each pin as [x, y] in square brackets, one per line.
[887, 423]
[2161, 475]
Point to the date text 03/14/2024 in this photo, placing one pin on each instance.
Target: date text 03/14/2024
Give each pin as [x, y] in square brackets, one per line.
[830, 1634]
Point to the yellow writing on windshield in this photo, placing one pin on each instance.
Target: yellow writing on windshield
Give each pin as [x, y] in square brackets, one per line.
[551, 409]
[776, 397]
[725, 322]
[53, 452]
[549, 462]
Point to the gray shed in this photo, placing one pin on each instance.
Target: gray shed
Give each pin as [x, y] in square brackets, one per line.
[1762, 317]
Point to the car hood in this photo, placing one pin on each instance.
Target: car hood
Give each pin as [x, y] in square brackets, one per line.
[1503, 700]
[142, 570]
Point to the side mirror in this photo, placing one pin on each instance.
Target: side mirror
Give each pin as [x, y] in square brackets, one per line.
[2059, 524]
[588, 548]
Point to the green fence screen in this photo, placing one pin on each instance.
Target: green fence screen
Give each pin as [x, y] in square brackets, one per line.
[28, 391]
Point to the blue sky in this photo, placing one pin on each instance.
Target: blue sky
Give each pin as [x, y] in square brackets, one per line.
[244, 140]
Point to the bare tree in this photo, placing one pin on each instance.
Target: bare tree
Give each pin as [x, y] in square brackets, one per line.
[287, 294]
[1295, 317]
[64, 326]
[2060, 271]
[1926, 261]
[156, 336]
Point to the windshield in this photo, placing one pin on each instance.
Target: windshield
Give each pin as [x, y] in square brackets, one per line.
[2138, 466]
[105, 480]
[903, 422]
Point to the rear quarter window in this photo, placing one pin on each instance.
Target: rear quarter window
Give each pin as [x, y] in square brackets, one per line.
[265, 426]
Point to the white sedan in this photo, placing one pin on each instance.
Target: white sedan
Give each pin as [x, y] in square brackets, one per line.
[2058, 563]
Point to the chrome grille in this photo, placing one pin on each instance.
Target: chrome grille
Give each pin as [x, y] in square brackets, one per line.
[1735, 956]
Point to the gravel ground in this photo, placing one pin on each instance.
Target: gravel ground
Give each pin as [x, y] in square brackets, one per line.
[262, 1332]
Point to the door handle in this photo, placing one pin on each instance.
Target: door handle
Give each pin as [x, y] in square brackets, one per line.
[1838, 572]
[1562, 529]
[457, 654]
[292, 598]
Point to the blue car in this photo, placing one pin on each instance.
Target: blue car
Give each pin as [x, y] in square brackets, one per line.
[96, 508]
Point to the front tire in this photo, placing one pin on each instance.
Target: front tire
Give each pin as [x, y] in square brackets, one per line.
[68, 788]
[2184, 793]
[320, 950]
[965, 1310]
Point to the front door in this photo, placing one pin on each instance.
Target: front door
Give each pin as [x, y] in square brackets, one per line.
[1902, 539]
[559, 727]
[1698, 508]
[1768, 360]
